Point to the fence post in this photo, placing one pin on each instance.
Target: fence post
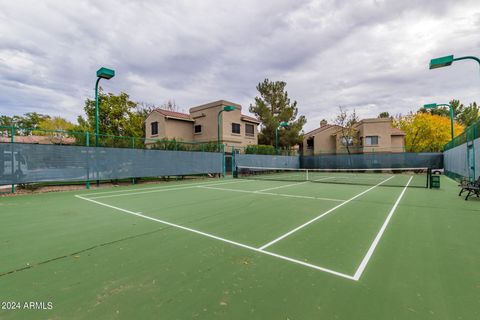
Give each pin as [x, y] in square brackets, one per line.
[133, 147]
[87, 143]
[233, 161]
[12, 140]
[224, 169]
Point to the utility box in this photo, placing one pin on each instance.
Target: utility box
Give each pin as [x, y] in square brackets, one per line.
[434, 181]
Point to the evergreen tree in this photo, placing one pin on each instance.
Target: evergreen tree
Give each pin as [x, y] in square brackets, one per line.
[272, 107]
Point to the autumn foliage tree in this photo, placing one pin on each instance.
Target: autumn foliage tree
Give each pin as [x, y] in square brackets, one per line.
[426, 132]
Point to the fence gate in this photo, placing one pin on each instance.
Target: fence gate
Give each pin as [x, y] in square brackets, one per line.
[228, 163]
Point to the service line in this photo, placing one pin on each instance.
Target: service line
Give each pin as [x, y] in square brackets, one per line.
[321, 215]
[140, 215]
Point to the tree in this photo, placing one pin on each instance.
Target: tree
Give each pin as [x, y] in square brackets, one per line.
[384, 114]
[426, 132]
[272, 107]
[346, 121]
[56, 124]
[6, 121]
[118, 116]
[469, 115]
[28, 122]
[31, 120]
[170, 105]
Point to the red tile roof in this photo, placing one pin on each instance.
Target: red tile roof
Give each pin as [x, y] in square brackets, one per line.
[174, 114]
[325, 127]
[39, 140]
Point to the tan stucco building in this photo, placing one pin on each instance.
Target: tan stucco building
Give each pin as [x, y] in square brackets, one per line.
[371, 135]
[201, 125]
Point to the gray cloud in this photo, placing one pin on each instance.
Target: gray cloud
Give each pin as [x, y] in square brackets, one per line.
[368, 55]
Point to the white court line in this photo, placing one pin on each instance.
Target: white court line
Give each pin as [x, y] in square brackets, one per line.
[222, 239]
[321, 179]
[370, 251]
[168, 189]
[321, 216]
[270, 194]
[98, 193]
[284, 186]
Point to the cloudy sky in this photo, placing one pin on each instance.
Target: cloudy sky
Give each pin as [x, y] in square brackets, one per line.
[369, 55]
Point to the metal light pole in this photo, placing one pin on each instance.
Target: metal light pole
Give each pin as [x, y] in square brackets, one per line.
[102, 73]
[228, 109]
[282, 124]
[435, 105]
[445, 62]
[448, 60]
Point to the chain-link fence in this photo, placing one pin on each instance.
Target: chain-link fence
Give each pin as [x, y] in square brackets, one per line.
[31, 155]
[461, 161]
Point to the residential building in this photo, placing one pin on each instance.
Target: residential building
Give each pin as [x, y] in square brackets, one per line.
[201, 125]
[370, 135]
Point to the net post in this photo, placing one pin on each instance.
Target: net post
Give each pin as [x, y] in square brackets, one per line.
[12, 140]
[429, 177]
[233, 161]
[87, 144]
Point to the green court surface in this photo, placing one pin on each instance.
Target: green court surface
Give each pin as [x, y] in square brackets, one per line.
[242, 249]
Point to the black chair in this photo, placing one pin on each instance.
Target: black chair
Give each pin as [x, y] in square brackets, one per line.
[471, 187]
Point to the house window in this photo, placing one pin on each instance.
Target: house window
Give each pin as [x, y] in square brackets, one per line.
[198, 128]
[154, 127]
[249, 130]
[236, 128]
[310, 143]
[371, 140]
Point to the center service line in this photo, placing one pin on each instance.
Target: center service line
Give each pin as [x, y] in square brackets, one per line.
[306, 264]
[321, 216]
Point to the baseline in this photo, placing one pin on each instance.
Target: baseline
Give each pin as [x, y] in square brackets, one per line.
[167, 189]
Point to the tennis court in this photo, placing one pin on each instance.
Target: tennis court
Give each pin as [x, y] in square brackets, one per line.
[245, 248]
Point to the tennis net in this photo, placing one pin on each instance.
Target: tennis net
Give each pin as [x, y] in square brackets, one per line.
[393, 177]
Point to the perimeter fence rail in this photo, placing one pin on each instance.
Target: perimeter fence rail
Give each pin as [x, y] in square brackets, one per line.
[462, 154]
[12, 134]
[269, 161]
[374, 160]
[29, 163]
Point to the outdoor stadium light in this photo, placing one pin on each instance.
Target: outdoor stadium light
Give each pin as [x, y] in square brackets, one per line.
[435, 105]
[102, 73]
[228, 109]
[448, 60]
[282, 124]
